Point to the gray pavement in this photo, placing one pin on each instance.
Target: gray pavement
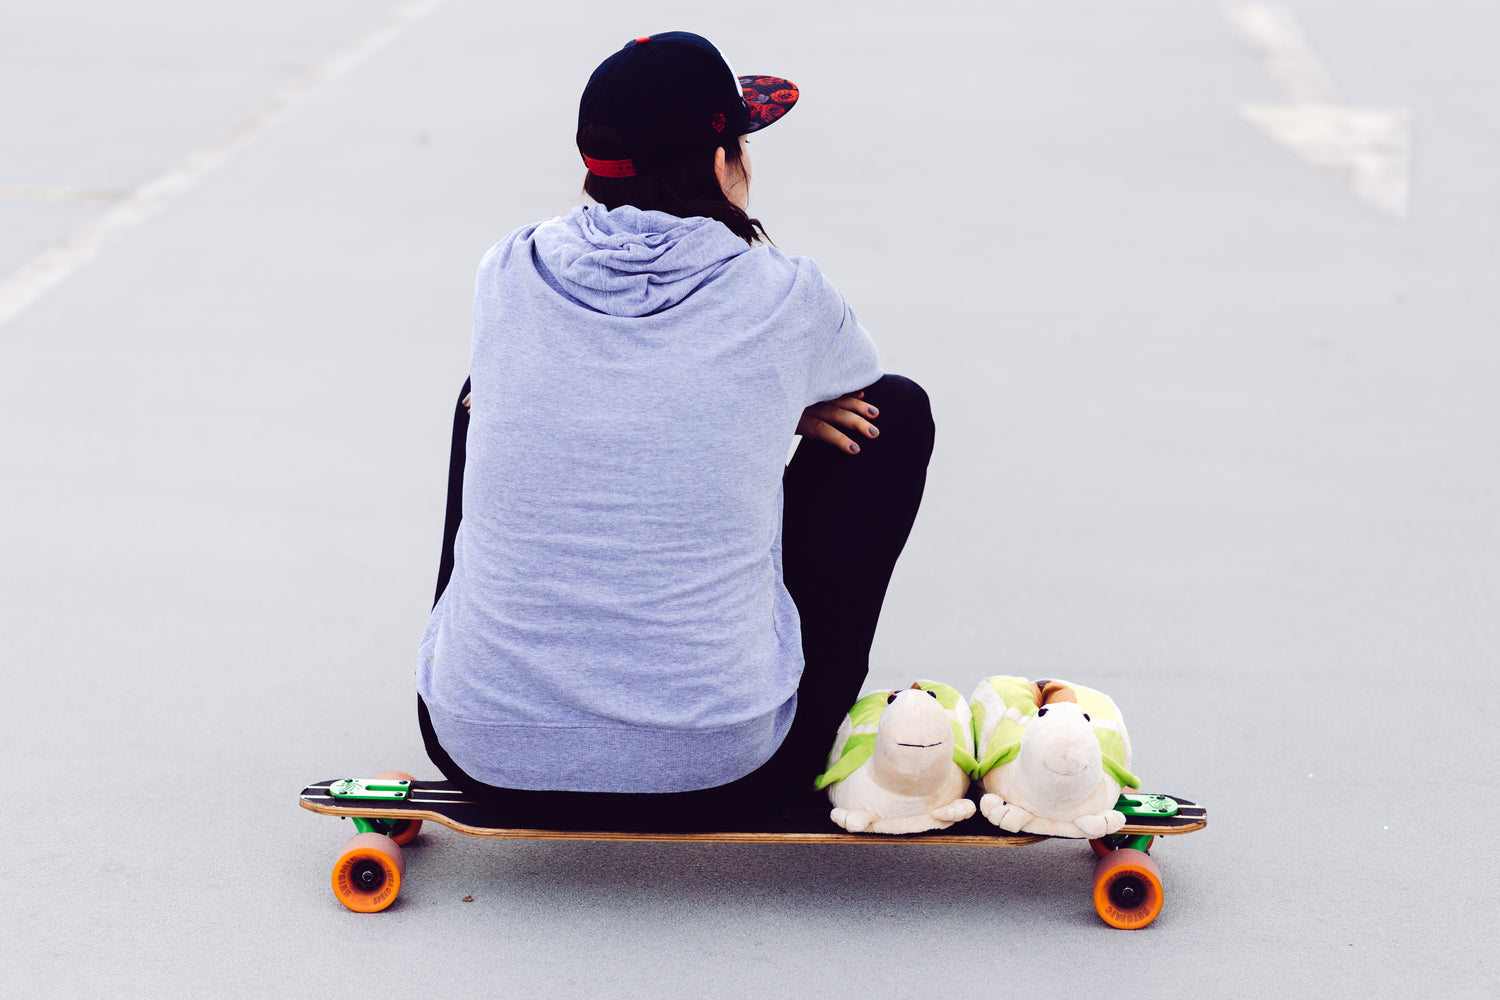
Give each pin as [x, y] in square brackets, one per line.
[1216, 436]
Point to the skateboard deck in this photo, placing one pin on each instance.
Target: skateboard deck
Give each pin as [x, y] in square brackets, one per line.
[388, 812]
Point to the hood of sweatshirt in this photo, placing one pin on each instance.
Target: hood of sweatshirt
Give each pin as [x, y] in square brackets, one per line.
[626, 262]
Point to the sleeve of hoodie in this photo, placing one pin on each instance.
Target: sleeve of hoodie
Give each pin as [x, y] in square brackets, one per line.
[840, 355]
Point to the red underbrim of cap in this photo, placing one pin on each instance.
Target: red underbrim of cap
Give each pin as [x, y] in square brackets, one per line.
[767, 98]
[609, 168]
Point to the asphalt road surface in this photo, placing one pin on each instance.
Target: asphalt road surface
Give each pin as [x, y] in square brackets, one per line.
[1206, 301]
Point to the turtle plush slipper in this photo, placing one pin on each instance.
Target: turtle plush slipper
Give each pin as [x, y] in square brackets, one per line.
[1053, 757]
[901, 761]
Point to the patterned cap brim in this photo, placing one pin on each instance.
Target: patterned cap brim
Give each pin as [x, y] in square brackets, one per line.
[767, 98]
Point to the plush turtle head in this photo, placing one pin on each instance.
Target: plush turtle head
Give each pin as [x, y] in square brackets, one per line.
[915, 737]
[1060, 759]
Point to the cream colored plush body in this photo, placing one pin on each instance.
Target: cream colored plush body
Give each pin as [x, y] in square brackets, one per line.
[1058, 783]
[910, 782]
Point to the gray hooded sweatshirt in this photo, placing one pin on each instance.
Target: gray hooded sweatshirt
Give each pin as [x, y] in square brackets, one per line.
[616, 620]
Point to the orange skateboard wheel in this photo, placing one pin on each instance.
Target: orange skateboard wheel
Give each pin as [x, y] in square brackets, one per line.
[1105, 846]
[367, 876]
[1127, 889]
[403, 831]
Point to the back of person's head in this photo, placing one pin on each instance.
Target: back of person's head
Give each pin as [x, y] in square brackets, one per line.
[686, 188]
[653, 117]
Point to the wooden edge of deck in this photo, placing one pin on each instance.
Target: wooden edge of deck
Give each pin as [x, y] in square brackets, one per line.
[1192, 824]
[373, 811]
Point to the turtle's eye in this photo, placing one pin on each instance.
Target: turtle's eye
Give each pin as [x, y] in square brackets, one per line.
[892, 697]
[934, 694]
[1086, 717]
[1041, 712]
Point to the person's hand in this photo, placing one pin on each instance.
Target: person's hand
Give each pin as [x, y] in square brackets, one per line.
[839, 421]
[467, 398]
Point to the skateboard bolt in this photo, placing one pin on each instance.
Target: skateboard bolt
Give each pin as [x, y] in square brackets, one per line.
[368, 876]
[1127, 892]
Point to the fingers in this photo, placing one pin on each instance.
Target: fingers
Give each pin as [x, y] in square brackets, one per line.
[855, 403]
[848, 419]
[840, 422]
[819, 430]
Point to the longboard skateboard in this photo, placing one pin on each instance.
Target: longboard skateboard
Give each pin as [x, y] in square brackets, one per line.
[388, 812]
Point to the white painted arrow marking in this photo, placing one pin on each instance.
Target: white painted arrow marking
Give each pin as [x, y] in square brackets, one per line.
[1368, 149]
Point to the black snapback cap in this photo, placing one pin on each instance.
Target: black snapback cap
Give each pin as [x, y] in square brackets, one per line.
[673, 96]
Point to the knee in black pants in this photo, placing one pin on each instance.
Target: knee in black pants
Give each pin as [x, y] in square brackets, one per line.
[910, 414]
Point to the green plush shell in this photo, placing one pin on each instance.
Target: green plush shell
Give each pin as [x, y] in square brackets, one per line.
[855, 742]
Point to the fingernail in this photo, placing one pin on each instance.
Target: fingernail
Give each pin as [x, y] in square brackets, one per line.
[872, 411]
[873, 432]
[853, 447]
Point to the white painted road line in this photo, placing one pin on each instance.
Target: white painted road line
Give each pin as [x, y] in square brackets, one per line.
[1367, 149]
[55, 265]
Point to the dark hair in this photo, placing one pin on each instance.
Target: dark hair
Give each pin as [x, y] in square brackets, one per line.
[688, 189]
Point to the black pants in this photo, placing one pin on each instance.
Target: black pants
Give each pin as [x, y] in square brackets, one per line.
[846, 519]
